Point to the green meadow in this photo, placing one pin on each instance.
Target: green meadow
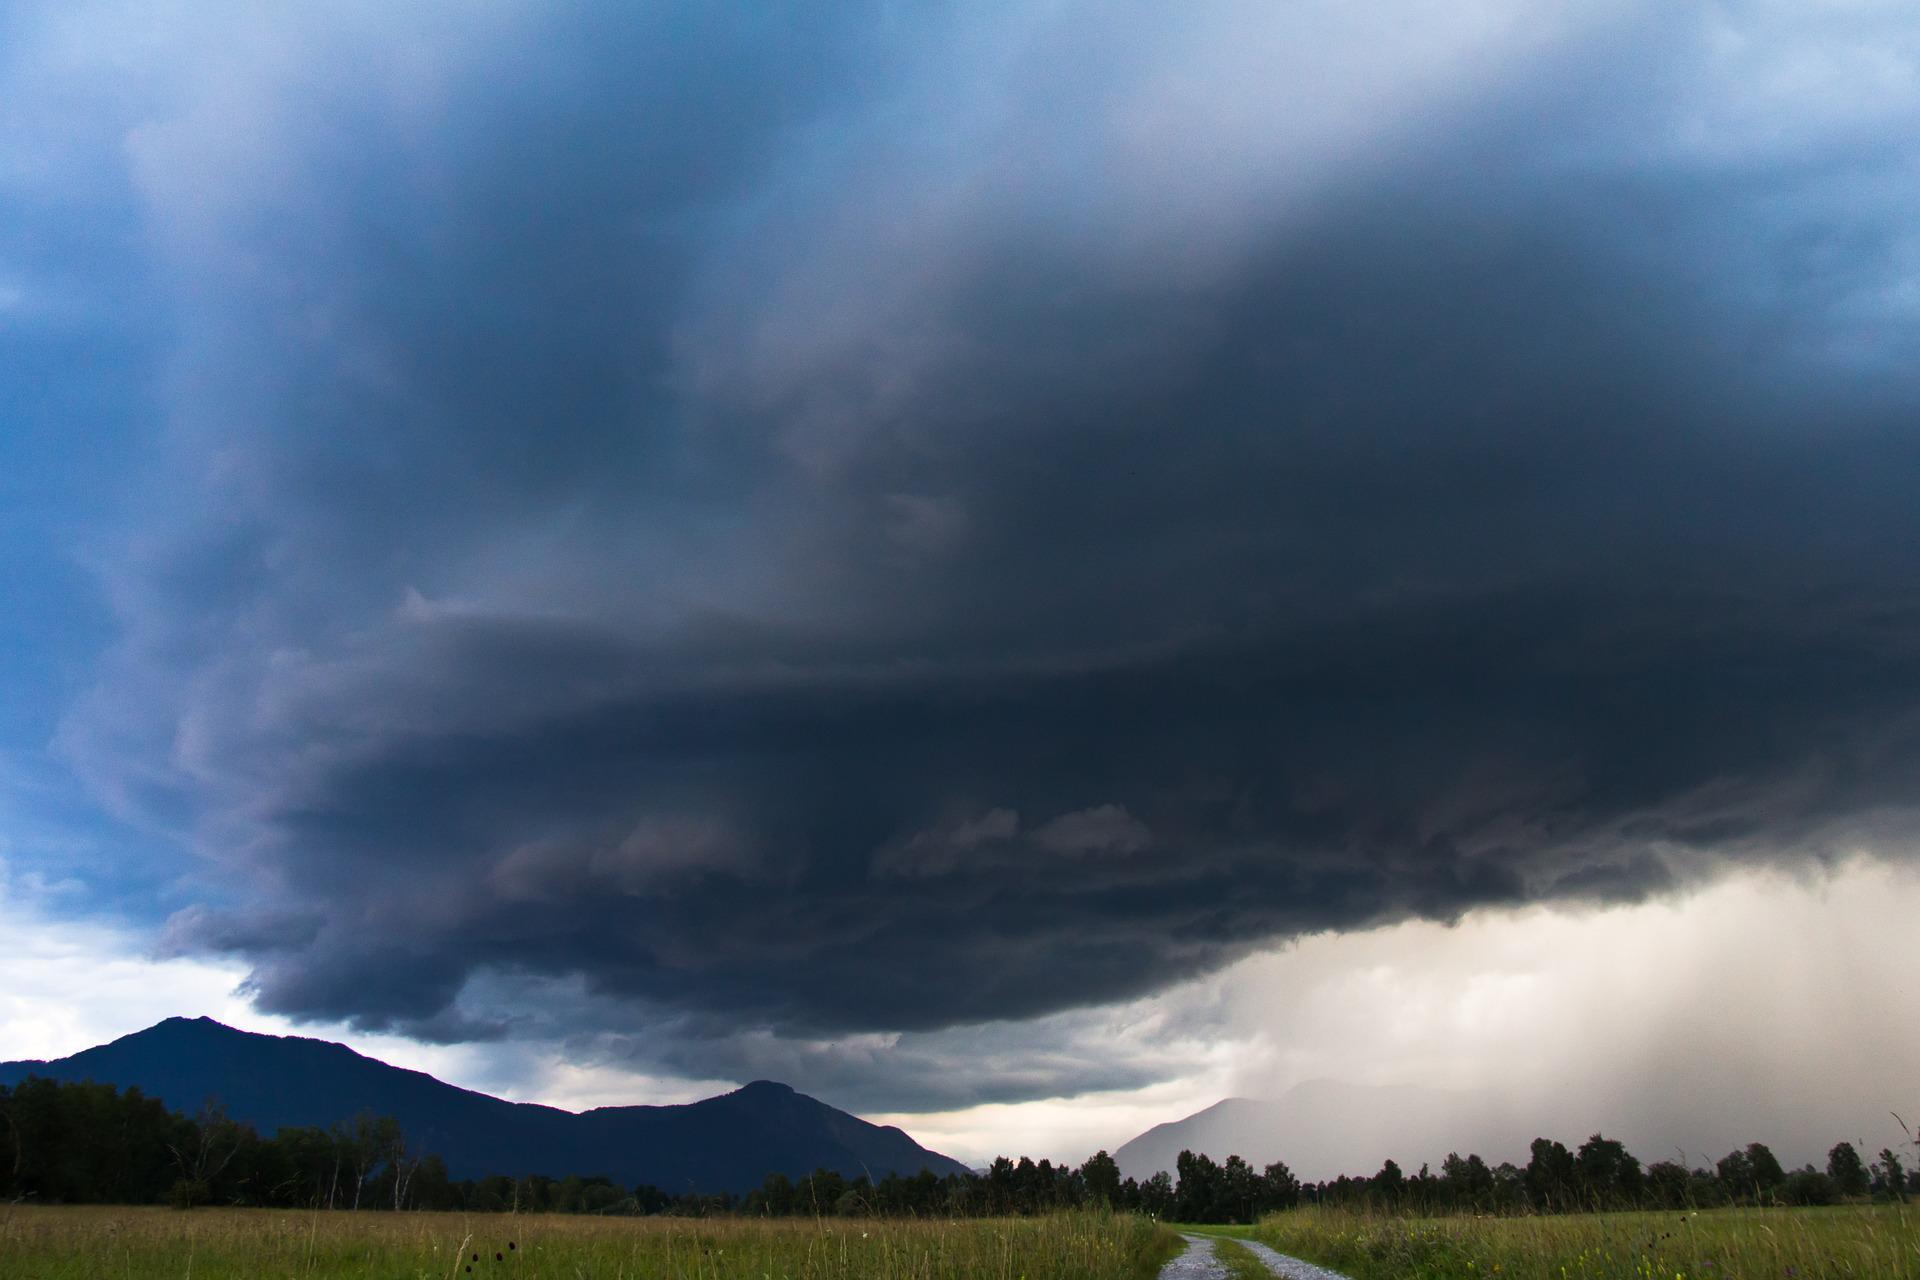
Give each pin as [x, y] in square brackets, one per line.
[100, 1243]
[1717, 1244]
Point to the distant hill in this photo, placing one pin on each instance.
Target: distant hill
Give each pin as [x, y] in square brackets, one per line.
[1324, 1128]
[726, 1143]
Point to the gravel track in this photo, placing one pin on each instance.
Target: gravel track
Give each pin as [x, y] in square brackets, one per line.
[1290, 1267]
[1198, 1263]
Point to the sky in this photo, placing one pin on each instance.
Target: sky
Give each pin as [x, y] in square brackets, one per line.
[1021, 567]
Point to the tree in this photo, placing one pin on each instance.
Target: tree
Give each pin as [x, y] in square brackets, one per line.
[1196, 1195]
[1736, 1174]
[1509, 1186]
[819, 1192]
[367, 1145]
[1027, 1185]
[1239, 1190]
[202, 1153]
[1705, 1189]
[776, 1194]
[432, 1189]
[1389, 1184]
[1889, 1179]
[1848, 1170]
[1466, 1183]
[12, 1161]
[1606, 1174]
[1157, 1195]
[1423, 1188]
[403, 1162]
[1479, 1182]
[1000, 1186]
[1550, 1175]
[1767, 1173]
[1101, 1175]
[1669, 1184]
[1279, 1188]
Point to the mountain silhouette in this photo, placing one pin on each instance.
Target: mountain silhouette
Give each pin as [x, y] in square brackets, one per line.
[725, 1143]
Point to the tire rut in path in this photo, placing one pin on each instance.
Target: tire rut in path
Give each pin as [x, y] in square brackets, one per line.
[1198, 1262]
[1288, 1266]
[1195, 1263]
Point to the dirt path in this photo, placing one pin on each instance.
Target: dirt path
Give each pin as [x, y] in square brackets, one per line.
[1286, 1265]
[1198, 1262]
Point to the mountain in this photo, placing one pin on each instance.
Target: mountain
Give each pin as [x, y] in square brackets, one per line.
[726, 1143]
[1324, 1128]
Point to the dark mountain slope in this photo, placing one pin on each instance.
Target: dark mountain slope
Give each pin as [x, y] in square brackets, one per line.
[727, 1143]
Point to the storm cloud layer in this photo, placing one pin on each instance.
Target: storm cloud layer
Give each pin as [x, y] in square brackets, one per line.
[799, 522]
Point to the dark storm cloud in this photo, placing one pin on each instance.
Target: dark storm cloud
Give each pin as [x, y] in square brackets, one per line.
[815, 525]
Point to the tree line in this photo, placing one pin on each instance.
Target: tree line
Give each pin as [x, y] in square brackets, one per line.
[77, 1143]
[1602, 1175]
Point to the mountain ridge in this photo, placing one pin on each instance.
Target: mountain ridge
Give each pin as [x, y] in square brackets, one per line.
[728, 1142]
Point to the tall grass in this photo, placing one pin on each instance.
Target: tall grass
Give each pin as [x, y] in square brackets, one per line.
[229, 1244]
[1719, 1244]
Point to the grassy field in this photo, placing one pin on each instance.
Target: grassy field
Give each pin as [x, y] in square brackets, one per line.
[1720, 1244]
[100, 1243]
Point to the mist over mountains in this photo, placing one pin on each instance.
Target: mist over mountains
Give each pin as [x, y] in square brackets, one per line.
[725, 1143]
[1325, 1128]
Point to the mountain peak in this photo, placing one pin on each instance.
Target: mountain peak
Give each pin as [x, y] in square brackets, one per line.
[200, 1028]
[767, 1088]
[180, 1022]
